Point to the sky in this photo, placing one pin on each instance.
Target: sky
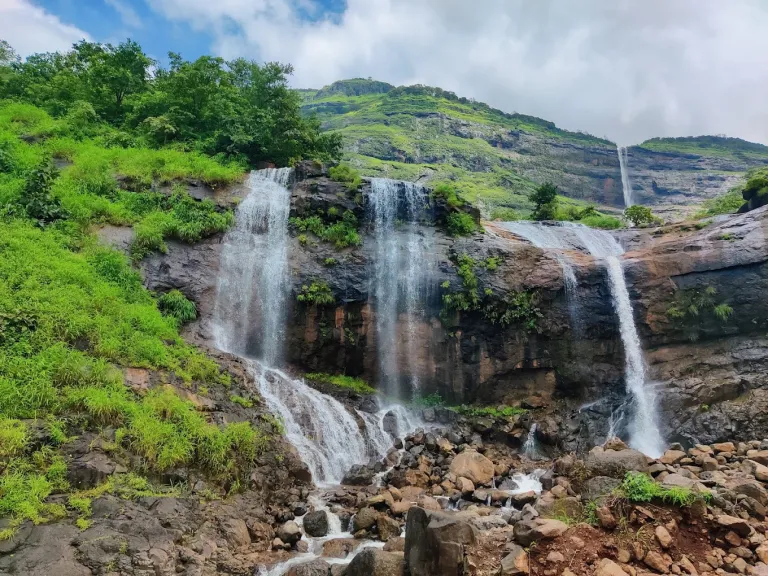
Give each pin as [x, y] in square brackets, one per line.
[627, 70]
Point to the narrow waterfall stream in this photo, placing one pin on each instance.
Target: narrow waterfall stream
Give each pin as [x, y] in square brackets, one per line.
[398, 284]
[644, 429]
[626, 184]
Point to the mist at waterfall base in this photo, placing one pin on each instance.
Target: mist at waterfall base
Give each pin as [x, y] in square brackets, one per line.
[250, 319]
[644, 432]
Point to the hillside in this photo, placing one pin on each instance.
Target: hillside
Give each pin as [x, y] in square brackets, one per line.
[424, 134]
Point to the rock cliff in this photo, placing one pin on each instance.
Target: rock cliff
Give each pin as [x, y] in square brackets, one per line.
[711, 368]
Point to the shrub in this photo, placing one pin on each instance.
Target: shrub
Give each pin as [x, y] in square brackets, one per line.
[689, 304]
[317, 293]
[447, 192]
[176, 305]
[36, 200]
[544, 198]
[603, 222]
[13, 438]
[347, 174]
[347, 382]
[239, 400]
[728, 203]
[460, 224]
[341, 233]
[504, 215]
[639, 215]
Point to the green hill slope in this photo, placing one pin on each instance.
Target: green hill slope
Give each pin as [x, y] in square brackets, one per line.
[426, 134]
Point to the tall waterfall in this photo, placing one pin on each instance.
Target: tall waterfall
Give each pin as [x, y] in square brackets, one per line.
[626, 184]
[252, 290]
[249, 320]
[644, 428]
[398, 282]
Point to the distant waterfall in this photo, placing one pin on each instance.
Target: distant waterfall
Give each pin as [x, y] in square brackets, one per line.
[644, 428]
[252, 290]
[398, 279]
[626, 184]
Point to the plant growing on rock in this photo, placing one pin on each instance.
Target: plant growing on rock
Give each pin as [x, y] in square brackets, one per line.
[341, 381]
[316, 293]
[346, 174]
[690, 304]
[176, 305]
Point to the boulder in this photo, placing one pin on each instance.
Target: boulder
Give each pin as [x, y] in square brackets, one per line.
[664, 537]
[435, 542]
[538, 529]
[372, 562]
[657, 561]
[316, 524]
[514, 563]
[313, 568]
[289, 533]
[671, 457]
[359, 475]
[388, 527]
[615, 463]
[465, 486]
[236, 532]
[395, 545]
[756, 469]
[598, 487]
[473, 466]
[608, 567]
[340, 547]
[364, 519]
[605, 518]
[741, 527]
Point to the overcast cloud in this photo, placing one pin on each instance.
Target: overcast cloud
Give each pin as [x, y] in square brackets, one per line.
[625, 69]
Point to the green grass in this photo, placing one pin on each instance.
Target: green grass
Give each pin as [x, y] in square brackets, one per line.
[175, 305]
[239, 400]
[339, 230]
[347, 174]
[717, 146]
[728, 203]
[498, 412]
[340, 381]
[638, 487]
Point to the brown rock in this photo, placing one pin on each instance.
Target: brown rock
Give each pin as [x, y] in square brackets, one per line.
[465, 486]
[236, 532]
[688, 566]
[538, 529]
[417, 478]
[388, 527]
[756, 469]
[741, 527]
[402, 507]
[395, 545]
[657, 562]
[364, 519]
[555, 557]
[608, 567]
[340, 547]
[473, 466]
[515, 563]
[762, 552]
[724, 447]
[605, 518]
[671, 457]
[664, 538]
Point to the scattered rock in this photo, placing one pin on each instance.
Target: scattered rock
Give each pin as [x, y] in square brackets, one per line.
[289, 533]
[538, 529]
[514, 563]
[364, 519]
[473, 466]
[664, 537]
[657, 562]
[607, 567]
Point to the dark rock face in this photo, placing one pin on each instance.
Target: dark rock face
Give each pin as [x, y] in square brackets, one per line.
[574, 366]
[316, 524]
[435, 542]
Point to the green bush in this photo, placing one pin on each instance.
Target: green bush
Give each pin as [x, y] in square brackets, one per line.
[339, 232]
[688, 305]
[639, 487]
[603, 222]
[460, 224]
[341, 381]
[239, 400]
[500, 412]
[639, 215]
[504, 215]
[317, 293]
[447, 192]
[728, 203]
[176, 305]
[347, 174]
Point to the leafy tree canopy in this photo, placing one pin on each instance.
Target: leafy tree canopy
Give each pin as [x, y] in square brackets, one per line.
[545, 199]
[238, 109]
[639, 215]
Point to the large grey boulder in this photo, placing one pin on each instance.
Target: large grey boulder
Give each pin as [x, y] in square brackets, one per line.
[615, 463]
[598, 487]
[316, 524]
[435, 542]
[313, 568]
[372, 562]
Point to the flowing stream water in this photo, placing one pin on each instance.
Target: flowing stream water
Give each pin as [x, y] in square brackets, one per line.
[398, 283]
[626, 184]
[644, 429]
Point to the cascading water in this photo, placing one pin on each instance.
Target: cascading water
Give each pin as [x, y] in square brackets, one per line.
[529, 447]
[252, 290]
[644, 428]
[626, 184]
[399, 272]
[249, 319]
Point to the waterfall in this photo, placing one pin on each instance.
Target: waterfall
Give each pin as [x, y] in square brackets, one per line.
[626, 185]
[398, 281]
[249, 320]
[252, 288]
[529, 448]
[329, 437]
[644, 429]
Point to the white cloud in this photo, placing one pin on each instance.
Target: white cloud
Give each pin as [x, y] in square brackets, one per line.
[625, 69]
[127, 14]
[30, 29]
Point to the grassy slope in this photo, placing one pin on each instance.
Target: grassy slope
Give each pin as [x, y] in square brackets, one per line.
[403, 137]
[73, 312]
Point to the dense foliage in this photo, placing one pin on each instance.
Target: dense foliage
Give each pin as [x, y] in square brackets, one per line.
[239, 109]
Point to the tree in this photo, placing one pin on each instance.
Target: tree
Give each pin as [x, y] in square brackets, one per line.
[545, 199]
[639, 215]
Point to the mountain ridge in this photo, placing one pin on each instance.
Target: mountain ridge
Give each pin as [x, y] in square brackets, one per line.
[426, 134]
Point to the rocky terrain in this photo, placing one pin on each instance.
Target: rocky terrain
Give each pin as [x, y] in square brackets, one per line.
[427, 135]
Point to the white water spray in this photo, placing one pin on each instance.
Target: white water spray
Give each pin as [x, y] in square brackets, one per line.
[626, 184]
